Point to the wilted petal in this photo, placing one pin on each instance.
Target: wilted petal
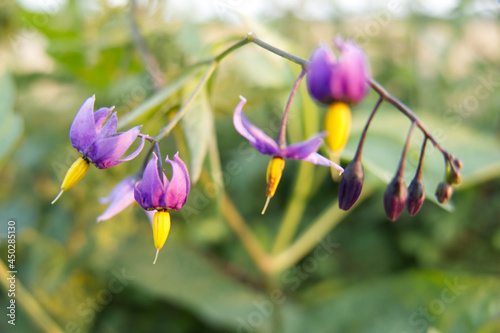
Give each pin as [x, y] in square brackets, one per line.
[260, 140]
[100, 117]
[178, 189]
[120, 197]
[303, 149]
[109, 128]
[318, 159]
[105, 153]
[83, 132]
[319, 74]
[149, 191]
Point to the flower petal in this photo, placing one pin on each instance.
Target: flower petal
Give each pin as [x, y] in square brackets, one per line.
[350, 73]
[150, 191]
[319, 74]
[303, 149]
[82, 132]
[178, 189]
[260, 140]
[121, 196]
[136, 152]
[100, 116]
[318, 159]
[109, 128]
[105, 152]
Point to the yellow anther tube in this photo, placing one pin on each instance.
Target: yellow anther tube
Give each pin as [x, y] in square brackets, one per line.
[161, 228]
[76, 172]
[273, 177]
[338, 125]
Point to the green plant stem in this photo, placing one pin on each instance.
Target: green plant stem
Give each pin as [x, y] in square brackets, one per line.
[246, 236]
[308, 240]
[29, 303]
[165, 131]
[293, 58]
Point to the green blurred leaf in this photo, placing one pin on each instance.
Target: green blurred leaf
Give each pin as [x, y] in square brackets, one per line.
[412, 302]
[183, 276]
[197, 125]
[11, 124]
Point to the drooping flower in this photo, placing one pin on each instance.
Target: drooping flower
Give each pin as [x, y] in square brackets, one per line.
[98, 142]
[338, 83]
[120, 197]
[156, 192]
[305, 150]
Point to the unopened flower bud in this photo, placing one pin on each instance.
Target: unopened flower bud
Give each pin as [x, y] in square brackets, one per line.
[395, 198]
[416, 196]
[444, 192]
[453, 176]
[351, 184]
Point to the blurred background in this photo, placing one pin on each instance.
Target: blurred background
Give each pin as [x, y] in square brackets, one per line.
[435, 272]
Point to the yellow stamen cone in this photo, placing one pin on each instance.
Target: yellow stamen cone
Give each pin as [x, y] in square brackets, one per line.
[338, 125]
[161, 228]
[76, 172]
[273, 177]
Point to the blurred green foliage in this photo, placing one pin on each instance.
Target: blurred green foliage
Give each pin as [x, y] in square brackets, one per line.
[379, 277]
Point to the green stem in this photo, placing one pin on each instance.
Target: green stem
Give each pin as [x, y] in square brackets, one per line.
[165, 131]
[29, 303]
[310, 239]
[293, 58]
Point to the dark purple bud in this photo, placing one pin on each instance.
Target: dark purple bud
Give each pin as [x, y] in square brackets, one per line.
[350, 185]
[453, 176]
[416, 196]
[395, 198]
[444, 192]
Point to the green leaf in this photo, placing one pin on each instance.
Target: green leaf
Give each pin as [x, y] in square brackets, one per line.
[198, 127]
[183, 276]
[11, 124]
[411, 302]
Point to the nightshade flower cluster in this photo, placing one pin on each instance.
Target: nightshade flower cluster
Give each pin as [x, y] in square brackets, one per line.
[342, 82]
[94, 135]
[97, 140]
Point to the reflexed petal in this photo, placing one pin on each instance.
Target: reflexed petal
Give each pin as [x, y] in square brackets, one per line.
[260, 140]
[100, 117]
[319, 74]
[109, 128]
[149, 191]
[303, 149]
[136, 152]
[350, 74]
[83, 132]
[318, 159]
[178, 189]
[150, 214]
[105, 153]
[121, 196]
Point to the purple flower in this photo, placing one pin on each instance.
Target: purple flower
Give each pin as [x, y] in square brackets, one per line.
[305, 150]
[151, 193]
[98, 141]
[343, 79]
[120, 197]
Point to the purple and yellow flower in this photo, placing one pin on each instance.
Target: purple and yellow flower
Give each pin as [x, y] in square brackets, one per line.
[120, 197]
[305, 150]
[156, 192]
[338, 83]
[98, 142]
